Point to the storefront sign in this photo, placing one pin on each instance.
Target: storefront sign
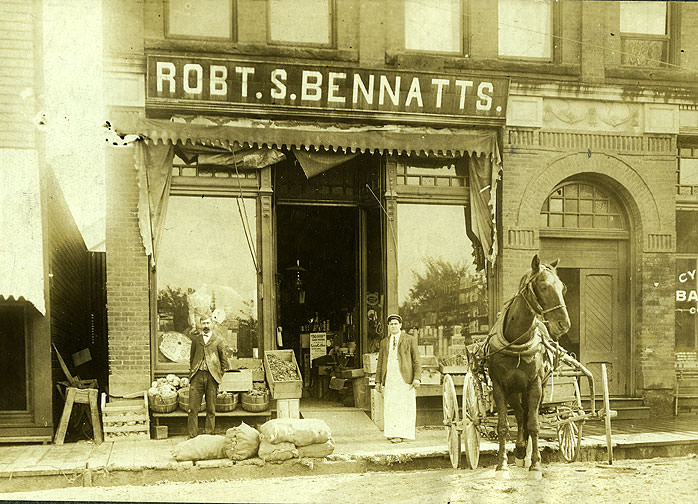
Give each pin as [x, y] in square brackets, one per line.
[217, 85]
[686, 294]
[318, 345]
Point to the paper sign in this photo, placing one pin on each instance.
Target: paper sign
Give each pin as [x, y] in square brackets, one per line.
[318, 345]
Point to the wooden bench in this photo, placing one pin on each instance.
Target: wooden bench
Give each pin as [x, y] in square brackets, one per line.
[686, 378]
[238, 412]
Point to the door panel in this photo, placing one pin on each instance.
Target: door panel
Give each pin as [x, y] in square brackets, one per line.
[602, 327]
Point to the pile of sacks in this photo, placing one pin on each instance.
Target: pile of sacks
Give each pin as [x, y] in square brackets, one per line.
[286, 438]
[277, 440]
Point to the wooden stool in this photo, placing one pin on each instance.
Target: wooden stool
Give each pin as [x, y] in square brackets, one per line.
[81, 396]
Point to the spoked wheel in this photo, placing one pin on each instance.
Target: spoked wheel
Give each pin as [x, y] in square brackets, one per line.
[449, 401]
[471, 417]
[454, 444]
[569, 438]
[450, 407]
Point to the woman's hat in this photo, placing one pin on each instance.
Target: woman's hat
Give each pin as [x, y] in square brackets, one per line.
[394, 316]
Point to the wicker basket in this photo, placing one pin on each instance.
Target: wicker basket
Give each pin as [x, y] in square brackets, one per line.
[226, 402]
[159, 404]
[255, 404]
[184, 400]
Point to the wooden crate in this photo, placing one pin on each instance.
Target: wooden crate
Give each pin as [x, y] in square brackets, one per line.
[284, 389]
[254, 365]
[126, 420]
[237, 381]
[563, 390]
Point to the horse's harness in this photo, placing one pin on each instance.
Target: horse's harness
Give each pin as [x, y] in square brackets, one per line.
[533, 305]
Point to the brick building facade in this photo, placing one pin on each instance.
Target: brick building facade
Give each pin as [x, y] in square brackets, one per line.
[597, 107]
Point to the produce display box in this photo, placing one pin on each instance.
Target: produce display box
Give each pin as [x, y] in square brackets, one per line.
[283, 389]
[454, 369]
[237, 381]
[127, 420]
[254, 365]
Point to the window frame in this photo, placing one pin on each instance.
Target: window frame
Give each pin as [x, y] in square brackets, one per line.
[465, 33]
[233, 26]
[671, 37]
[332, 26]
[693, 257]
[555, 39]
[192, 187]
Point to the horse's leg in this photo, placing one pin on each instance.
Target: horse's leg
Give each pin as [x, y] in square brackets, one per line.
[534, 395]
[502, 424]
[520, 450]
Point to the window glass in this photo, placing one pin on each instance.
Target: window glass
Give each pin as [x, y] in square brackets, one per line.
[686, 304]
[200, 18]
[643, 17]
[433, 25]
[686, 232]
[205, 263]
[525, 28]
[304, 21]
[442, 298]
[688, 171]
[583, 206]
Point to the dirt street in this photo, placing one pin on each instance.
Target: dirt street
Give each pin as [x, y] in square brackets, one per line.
[656, 480]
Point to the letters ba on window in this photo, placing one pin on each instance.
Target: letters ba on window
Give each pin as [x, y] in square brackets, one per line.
[223, 86]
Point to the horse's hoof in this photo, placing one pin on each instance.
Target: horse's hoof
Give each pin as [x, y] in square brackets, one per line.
[501, 474]
[520, 462]
[535, 474]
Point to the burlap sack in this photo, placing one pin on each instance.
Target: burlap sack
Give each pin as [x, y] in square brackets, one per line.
[277, 452]
[317, 450]
[244, 442]
[203, 447]
[299, 431]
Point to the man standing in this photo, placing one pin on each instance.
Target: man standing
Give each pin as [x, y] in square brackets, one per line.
[207, 362]
[398, 374]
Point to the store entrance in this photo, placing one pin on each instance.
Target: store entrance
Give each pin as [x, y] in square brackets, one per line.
[318, 274]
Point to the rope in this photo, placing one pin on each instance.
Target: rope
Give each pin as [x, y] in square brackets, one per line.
[243, 216]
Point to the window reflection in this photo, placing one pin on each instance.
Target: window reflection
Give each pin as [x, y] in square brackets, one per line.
[442, 298]
[204, 264]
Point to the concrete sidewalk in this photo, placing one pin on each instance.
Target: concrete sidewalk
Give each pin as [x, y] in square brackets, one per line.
[359, 447]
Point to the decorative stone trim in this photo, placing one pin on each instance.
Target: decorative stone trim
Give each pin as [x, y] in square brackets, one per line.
[659, 242]
[521, 238]
[592, 142]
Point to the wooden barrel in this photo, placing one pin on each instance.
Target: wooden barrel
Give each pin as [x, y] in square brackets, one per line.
[255, 403]
[184, 400]
[160, 404]
[226, 401]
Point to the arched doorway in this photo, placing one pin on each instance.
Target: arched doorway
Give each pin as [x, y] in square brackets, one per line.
[586, 226]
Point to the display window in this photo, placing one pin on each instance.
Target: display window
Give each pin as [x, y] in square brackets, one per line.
[442, 297]
[207, 264]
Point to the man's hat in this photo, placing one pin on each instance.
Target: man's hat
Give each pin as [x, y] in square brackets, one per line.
[394, 316]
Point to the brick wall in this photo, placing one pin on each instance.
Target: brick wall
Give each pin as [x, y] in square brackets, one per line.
[127, 278]
[644, 181]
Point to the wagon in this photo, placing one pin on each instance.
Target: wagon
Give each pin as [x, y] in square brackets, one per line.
[561, 405]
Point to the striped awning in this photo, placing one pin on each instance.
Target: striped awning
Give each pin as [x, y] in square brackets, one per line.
[246, 133]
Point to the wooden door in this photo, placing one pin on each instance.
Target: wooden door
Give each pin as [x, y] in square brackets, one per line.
[602, 328]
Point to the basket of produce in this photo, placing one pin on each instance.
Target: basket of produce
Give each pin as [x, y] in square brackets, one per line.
[162, 394]
[184, 400]
[255, 400]
[226, 401]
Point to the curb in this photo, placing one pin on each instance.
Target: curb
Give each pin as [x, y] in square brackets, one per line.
[42, 479]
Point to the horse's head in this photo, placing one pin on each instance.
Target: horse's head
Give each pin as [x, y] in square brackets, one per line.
[543, 292]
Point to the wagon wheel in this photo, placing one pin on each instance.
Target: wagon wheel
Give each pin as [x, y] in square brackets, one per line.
[471, 417]
[449, 401]
[454, 444]
[569, 439]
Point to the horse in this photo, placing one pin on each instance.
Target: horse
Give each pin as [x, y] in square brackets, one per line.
[515, 356]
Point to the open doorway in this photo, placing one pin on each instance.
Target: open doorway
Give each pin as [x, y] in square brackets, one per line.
[317, 265]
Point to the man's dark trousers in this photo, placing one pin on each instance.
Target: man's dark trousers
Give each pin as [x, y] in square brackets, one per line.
[202, 382]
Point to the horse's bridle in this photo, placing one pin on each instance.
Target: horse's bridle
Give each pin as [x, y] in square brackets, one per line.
[536, 308]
